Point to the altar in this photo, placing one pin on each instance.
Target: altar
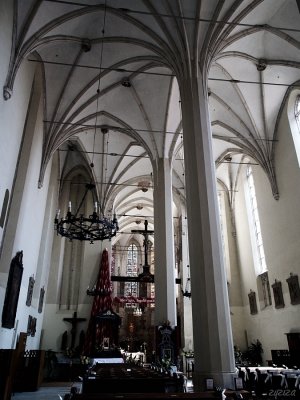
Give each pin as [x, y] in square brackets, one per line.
[95, 361]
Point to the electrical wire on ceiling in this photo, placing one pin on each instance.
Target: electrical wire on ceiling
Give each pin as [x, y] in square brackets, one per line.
[115, 128]
[103, 153]
[296, 85]
[104, 183]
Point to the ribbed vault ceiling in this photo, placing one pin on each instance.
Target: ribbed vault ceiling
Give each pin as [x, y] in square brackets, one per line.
[111, 93]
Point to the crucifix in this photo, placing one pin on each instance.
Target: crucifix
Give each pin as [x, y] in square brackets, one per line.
[74, 321]
[146, 275]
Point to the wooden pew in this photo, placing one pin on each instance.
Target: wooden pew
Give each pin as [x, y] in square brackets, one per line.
[125, 379]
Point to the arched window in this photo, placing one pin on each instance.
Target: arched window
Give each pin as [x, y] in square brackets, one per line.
[224, 239]
[260, 262]
[293, 113]
[260, 266]
[131, 288]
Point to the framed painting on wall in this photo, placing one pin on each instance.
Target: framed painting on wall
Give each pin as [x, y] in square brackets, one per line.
[12, 291]
[30, 291]
[41, 299]
[294, 289]
[278, 295]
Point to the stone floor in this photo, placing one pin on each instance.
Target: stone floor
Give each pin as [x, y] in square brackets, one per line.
[57, 392]
[43, 393]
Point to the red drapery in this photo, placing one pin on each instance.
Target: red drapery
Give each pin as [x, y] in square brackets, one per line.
[97, 330]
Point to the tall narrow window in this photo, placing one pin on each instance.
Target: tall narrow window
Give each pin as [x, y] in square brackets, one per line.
[261, 270]
[224, 240]
[293, 113]
[260, 262]
[131, 288]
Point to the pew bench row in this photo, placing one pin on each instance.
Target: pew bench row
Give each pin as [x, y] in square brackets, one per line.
[230, 395]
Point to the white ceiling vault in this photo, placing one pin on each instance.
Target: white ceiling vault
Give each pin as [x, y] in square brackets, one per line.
[112, 98]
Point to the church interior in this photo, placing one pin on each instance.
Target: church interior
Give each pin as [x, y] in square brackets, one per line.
[149, 213]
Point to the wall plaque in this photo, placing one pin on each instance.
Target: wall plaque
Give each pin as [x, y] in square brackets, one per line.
[12, 291]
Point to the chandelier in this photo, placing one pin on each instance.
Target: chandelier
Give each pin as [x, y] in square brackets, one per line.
[96, 226]
[137, 312]
[79, 227]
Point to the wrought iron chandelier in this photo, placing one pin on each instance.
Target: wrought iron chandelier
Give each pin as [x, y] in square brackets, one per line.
[92, 228]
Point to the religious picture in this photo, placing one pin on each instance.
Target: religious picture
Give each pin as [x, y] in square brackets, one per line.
[252, 302]
[167, 354]
[278, 295]
[31, 326]
[106, 343]
[294, 289]
[41, 299]
[238, 383]
[12, 291]
[209, 384]
[30, 291]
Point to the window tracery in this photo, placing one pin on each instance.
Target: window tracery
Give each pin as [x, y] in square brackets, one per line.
[131, 288]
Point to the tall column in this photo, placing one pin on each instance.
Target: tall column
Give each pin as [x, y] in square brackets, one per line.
[187, 304]
[164, 245]
[213, 346]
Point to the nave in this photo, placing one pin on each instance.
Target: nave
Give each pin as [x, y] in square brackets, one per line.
[167, 134]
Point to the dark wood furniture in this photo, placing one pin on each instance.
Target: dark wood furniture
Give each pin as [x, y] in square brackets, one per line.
[293, 339]
[123, 378]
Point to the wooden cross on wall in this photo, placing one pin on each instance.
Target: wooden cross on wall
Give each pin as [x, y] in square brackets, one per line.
[74, 321]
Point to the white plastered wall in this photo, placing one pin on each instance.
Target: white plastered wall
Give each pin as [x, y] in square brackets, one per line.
[25, 220]
[21, 127]
[280, 224]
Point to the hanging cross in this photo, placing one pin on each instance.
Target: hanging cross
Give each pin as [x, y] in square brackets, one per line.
[145, 276]
[74, 321]
[145, 233]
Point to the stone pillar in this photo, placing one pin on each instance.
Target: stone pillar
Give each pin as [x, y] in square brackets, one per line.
[187, 304]
[165, 301]
[213, 346]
